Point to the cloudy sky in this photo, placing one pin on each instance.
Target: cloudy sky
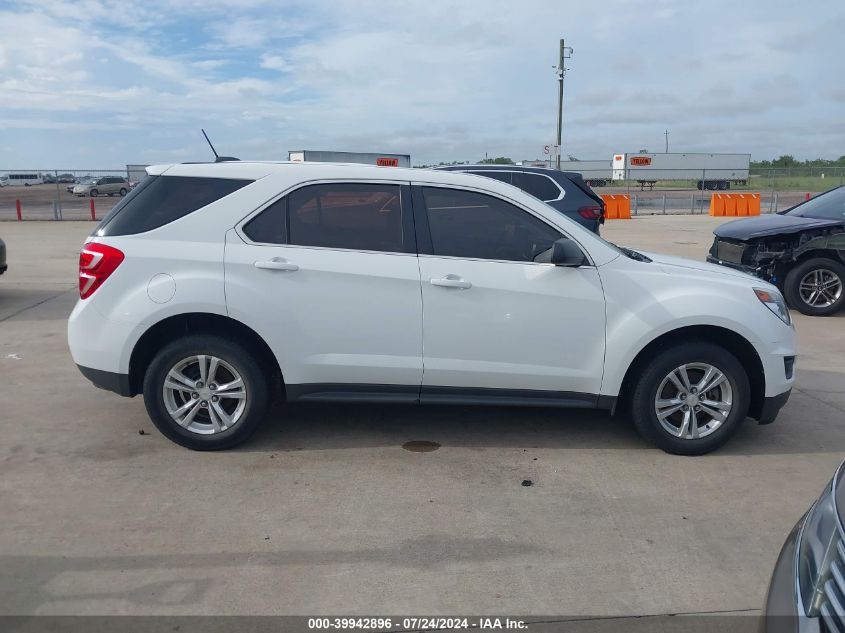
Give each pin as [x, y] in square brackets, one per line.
[102, 83]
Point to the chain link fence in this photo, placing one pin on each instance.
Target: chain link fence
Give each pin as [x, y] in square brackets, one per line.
[64, 194]
[79, 194]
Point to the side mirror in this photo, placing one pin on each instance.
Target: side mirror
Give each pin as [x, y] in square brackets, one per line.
[566, 252]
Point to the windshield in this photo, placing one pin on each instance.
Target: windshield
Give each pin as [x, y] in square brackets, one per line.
[827, 206]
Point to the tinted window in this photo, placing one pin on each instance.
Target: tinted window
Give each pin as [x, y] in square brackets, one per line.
[268, 226]
[356, 216]
[468, 224]
[159, 200]
[504, 176]
[829, 206]
[537, 185]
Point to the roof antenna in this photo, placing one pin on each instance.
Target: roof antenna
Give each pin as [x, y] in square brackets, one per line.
[217, 158]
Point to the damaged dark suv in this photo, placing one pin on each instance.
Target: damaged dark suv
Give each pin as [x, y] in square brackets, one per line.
[801, 250]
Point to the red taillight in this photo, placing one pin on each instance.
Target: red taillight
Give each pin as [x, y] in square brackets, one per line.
[96, 263]
[590, 213]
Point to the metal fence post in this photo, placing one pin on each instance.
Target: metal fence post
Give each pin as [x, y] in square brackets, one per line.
[664, 204]
[692, 204]
[55, 209]
[636, 204]
[58, 193]
[776, 201]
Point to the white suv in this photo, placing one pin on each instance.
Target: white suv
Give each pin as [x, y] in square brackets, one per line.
[213, 287]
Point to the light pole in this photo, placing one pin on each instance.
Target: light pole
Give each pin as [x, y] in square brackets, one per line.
[667, 140]
[565, 53]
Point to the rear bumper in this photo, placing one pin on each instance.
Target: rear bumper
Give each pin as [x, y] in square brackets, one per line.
[110, 381]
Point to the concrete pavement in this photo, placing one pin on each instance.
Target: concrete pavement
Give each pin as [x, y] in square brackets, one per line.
[324, 512]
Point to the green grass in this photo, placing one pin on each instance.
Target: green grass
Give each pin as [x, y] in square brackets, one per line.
[792, 183]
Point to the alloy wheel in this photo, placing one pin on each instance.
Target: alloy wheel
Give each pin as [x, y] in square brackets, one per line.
[693, 400]
[820, 288]
[204, 394]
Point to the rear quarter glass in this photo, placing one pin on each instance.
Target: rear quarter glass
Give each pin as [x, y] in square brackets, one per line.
[159, 200]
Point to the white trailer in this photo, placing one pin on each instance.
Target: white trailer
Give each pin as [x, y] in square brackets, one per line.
[709, 171]
[597, 173]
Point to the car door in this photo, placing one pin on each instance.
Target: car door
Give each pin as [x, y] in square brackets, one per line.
[497, 322]
[328, 276]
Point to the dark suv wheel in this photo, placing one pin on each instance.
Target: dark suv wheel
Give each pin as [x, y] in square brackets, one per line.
[205, 392]
[815, 287]
[691, 398]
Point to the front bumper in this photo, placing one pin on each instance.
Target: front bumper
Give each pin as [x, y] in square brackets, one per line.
[772, 406]
[781, 614]
[751, 270]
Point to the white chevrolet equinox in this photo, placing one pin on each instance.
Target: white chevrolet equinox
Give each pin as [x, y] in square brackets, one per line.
[213, 288]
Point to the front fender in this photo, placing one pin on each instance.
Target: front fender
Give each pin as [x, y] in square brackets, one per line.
[644, 304]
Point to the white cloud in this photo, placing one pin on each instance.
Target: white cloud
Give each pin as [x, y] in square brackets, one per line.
[440, 80]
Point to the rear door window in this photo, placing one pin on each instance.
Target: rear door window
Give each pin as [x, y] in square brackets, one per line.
[358, 216]
[159, 200]
[269, 226]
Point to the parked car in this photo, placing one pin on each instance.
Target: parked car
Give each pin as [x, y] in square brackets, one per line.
[807, 590]
[563, 190]
[801, 250]
[105, 185]
[212, 286]
[66, 178]
[3, 265]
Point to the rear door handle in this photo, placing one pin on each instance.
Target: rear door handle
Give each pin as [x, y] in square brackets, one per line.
[277, 263]
[452, 281]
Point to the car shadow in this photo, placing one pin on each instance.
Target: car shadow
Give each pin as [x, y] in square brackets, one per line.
[807, 424]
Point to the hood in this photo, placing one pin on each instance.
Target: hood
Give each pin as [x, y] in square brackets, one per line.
[774, 224]
[672, 264]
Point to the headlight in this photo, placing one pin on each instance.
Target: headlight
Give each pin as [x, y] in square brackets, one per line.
[819, 554]
[774, 302]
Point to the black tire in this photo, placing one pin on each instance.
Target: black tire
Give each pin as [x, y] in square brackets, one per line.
[236, 355]
[122, 192]
[792, 283]
[645, 393]
[94, 193]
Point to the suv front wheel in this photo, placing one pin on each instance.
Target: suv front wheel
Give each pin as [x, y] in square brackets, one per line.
[690, 398]
[205, 392]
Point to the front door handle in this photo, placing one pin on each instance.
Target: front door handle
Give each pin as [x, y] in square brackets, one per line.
[452, 281]
[277, 263]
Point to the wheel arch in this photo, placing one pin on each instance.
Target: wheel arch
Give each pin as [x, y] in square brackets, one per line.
[176, 326]
[820, 252]
[731, 341]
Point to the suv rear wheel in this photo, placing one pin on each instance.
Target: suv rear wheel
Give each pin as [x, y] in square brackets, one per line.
[94, 193]
[815, 287]
[691, 398]
[122, 191]
[205, 392]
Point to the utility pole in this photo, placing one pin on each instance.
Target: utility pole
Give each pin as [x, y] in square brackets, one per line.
[667, 140]
[565, 53]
